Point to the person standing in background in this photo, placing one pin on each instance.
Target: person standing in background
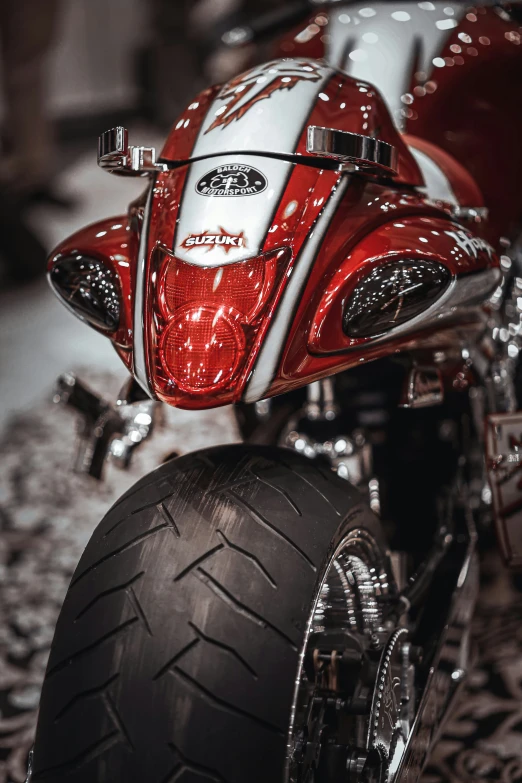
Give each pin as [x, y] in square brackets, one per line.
[27, 31]
[177, 59]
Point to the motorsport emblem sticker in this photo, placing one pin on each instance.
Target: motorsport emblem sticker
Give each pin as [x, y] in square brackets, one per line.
[232, 179]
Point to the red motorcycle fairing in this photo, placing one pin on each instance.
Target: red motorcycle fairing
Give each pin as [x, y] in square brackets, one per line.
[201, 343]
[308, 342]
[202, 353]
[473, 109]
[445, 177]
[236, 249]
[250, 114]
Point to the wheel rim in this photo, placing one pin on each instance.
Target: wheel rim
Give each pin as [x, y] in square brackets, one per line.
[349, 598]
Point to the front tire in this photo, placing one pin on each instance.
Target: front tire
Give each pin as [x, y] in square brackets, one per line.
[177, 649]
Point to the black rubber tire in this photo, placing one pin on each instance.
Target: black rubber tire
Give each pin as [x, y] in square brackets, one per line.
[176, 651]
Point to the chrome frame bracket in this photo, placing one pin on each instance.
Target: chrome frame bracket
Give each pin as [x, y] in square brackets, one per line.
[29, 766]
[364, 152]
[116, 156]
[504, 465]
[107, 431]
[423, 388]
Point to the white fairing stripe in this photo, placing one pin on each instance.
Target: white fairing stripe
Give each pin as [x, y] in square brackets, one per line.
[378, 43]
[273, 124]
[438, 186]
[251, 114]
[270, 353]
[246, 218]
[140, 367]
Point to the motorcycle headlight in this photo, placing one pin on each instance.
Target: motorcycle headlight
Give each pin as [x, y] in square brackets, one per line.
[391, 294]
[89, 288]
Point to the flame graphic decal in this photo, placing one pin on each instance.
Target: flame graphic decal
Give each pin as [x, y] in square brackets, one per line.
[256, 85]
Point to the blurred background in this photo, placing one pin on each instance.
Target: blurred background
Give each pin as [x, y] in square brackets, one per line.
[70, 69]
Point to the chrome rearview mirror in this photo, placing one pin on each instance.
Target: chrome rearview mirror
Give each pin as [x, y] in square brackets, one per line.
[115, 155]
[362, 151]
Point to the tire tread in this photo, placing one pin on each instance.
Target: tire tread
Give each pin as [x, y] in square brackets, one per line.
[201, 578]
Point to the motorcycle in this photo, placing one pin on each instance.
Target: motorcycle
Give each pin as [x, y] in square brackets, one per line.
[297, 607]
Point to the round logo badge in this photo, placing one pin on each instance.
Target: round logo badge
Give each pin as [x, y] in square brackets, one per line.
[232, 179]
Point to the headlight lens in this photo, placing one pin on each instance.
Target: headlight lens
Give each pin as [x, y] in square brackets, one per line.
[391, 294]
[89, 288]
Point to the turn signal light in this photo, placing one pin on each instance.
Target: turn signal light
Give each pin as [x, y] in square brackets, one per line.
[206, 321]
[393, 293]
[89, 288]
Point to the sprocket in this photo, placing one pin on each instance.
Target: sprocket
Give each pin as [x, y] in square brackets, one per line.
[386, 730]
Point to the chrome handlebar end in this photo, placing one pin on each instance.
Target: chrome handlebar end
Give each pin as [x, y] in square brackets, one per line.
[362, 151]
[116, 156]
